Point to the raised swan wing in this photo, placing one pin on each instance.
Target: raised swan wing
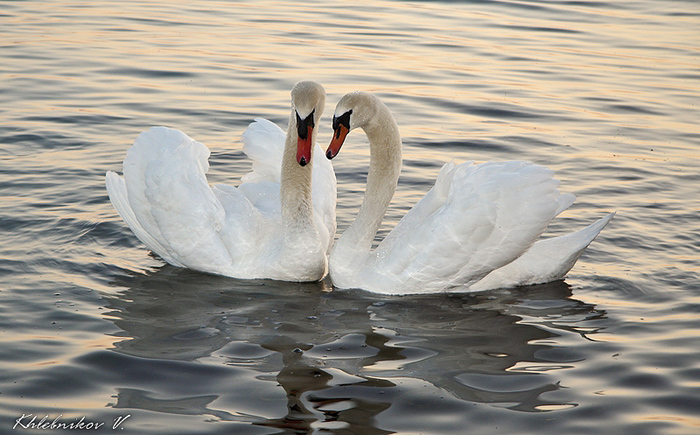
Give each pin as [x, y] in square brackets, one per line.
[475, 219]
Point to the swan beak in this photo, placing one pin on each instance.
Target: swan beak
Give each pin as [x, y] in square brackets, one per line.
[339, 135]
[305, 128]
[304, 147]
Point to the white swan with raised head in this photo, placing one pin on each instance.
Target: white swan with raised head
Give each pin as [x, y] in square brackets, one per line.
[277, 224]
[474, 230]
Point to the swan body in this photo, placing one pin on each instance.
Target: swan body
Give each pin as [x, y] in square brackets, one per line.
[276, 224]
[476, 229]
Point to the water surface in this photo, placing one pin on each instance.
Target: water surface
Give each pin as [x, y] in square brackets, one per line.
[93, 326]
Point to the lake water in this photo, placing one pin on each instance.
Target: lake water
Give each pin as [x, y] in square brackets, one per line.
[95, 329]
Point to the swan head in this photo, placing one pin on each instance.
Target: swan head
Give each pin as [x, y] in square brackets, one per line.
[308, 100]
[356, 109]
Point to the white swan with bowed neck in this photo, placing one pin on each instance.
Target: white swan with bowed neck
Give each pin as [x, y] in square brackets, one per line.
[474, 230]
[277, 224]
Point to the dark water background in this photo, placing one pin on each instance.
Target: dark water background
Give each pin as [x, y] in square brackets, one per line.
[605, 93]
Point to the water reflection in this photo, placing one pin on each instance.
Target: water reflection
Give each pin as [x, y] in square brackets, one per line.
[346, 358]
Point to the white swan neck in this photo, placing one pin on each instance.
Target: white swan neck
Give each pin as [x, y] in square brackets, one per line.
[299, 253]
[382, 178]
[295, 189]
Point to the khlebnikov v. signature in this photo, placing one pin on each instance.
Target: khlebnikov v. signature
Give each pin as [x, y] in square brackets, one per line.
[33, 421]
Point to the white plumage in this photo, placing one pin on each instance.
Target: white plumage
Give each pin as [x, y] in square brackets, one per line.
[474, 230]
[167, 202]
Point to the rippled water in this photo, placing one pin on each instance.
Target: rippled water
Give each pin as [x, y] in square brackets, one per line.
[93, 327]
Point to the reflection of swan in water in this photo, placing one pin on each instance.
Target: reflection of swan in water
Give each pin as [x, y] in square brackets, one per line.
[343, 358]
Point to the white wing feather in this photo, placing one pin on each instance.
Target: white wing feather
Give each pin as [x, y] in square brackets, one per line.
[475, 219]
[548, 260]
[166, 200]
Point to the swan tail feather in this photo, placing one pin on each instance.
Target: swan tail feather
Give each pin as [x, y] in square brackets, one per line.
[548, 260]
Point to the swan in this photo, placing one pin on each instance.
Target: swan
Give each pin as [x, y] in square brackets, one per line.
[277, 224]
[475, 230]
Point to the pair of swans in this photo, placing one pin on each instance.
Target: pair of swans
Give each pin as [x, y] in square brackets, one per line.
[476, 229]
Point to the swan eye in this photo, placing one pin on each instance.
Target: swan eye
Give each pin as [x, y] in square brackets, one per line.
[343, 120]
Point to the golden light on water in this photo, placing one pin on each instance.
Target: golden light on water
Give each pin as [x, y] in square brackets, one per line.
[604, 93]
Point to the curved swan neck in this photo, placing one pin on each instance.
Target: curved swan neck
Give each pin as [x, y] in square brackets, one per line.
[384, 169]
[295, 184]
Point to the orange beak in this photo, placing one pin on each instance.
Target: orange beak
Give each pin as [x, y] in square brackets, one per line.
[304, 147]
[339, 135]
